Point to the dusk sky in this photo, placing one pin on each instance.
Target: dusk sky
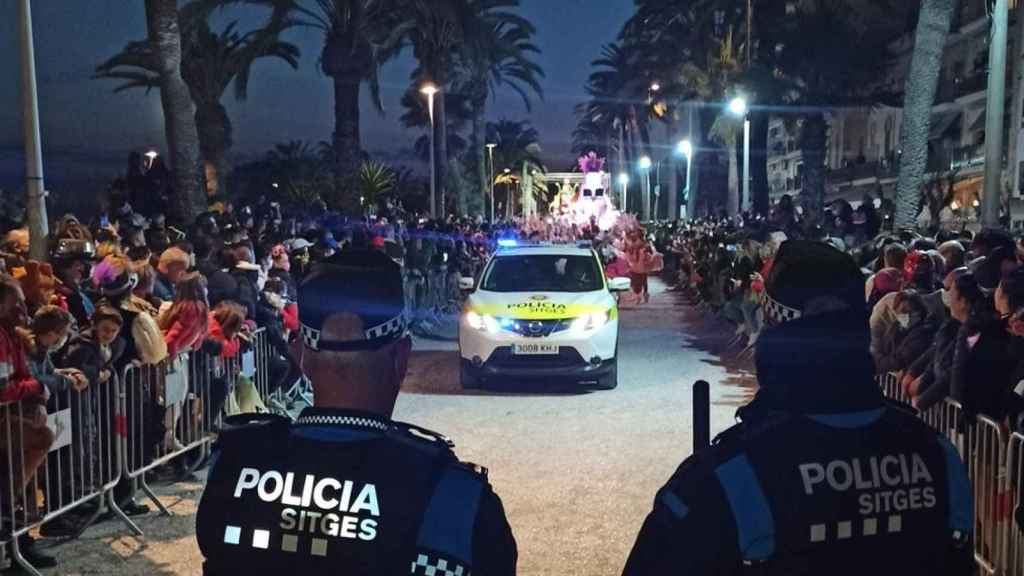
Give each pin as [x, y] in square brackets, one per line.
[87, 130]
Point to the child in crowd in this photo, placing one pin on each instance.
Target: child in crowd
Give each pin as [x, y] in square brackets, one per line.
[48, 333]
[184, 324]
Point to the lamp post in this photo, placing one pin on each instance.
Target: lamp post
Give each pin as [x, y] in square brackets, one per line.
[624, 180]
[35, 190]
[738, 107]
[645, 186]
[685, 147]
[429, 89]
[509, 210]
[490, 174]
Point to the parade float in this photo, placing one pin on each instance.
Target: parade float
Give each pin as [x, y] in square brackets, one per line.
[585, 197]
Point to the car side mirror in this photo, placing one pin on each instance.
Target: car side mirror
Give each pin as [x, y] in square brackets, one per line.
[466, 283]
[618, 284]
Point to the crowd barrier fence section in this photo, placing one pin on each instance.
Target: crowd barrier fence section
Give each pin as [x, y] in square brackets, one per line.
[995, 464]
[1015, 539]
[173, 409]
[59, 457]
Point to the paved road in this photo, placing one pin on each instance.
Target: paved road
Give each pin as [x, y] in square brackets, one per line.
[577, 471]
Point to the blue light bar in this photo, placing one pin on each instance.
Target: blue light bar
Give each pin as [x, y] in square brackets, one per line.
[507, 243]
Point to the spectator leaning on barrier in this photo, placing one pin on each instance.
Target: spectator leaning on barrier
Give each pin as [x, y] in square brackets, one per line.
[184, 323]
[48, 332]
[980, 361]
[913, 334]
[928, 379]
[1009, 302]
[25, 439]
[114, 281]
[71, 260]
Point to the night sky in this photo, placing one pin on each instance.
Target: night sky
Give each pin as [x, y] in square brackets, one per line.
[87, 130]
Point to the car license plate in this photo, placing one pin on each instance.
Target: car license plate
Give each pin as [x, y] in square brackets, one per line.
[533, 349]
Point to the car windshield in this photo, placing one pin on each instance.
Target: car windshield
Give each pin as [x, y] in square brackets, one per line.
[543, 273]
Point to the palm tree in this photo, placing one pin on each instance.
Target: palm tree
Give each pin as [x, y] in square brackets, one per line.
[182, 139]
[496, 53]
[518, 151]
[375, 182]
[922, 83]
[359, 37]
[210, 63]
[300, 173]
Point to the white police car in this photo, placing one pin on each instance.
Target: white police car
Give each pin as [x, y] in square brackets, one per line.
[541, 311]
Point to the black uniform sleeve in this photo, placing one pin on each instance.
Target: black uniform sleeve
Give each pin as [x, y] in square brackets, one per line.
[690, 530]
[494, 547]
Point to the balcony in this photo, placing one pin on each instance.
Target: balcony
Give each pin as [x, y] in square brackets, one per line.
[854, 172]
[966, 157]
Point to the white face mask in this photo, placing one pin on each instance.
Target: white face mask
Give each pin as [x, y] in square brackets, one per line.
[904, 320]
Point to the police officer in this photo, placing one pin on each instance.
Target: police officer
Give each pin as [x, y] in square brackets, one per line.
[345, 489]
[820, 475]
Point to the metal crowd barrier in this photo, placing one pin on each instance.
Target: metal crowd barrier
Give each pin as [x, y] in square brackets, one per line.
[995, 465]
[170, 412]
[59, 460]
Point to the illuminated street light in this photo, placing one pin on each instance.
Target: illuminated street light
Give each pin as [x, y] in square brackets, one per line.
[429, 89]
[738, 106]
[685, 147]
[275, 185]
[645, 162]
[507, 170]
[655, 87]
[624, 179]
[490, 167]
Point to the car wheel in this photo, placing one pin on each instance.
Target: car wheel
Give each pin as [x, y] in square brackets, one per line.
[610, 380]
[468, 379]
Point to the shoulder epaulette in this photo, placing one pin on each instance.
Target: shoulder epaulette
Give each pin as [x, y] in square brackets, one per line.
[428, 437]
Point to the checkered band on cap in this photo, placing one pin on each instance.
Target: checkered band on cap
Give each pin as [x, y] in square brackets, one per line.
[392, 328]
[776, 311]
[436, 566]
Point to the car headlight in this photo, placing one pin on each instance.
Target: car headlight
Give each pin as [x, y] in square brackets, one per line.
[482, 322]
[588, 322]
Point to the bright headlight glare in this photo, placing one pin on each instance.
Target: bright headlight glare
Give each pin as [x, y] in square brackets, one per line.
[491, 324]
[589, 321]
[474, 320]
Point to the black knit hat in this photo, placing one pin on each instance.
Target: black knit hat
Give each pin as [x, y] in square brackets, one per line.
[809, 278]
[365, 283]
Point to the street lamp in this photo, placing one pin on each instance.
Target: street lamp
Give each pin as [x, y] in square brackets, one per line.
[685, 147]
[490, 173]
[645, 186]
[624, 180]
[738, 107]
[509, 210]
[429, 89]
[150, 157]
[655, 86]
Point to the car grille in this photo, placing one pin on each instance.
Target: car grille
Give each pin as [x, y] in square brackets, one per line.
[566, 358]
[536, 328]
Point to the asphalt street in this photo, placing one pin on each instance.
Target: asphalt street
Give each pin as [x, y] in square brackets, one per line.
[577, 471]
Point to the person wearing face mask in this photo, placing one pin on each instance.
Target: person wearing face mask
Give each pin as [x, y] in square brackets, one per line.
[919, 275]
[926, 381]
[1009, 303]
[912, 337]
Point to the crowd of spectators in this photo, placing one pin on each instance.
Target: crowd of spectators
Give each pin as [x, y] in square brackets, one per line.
[946, 310]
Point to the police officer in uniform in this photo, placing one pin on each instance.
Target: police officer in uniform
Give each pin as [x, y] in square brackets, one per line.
[821, 476]
[345, 489]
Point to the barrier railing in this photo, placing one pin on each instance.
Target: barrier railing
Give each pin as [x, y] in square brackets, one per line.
[58, 460]
[1015, 531]
[995, 464]
[172, 410]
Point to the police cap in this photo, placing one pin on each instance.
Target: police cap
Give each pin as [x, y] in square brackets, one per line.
[362, 282]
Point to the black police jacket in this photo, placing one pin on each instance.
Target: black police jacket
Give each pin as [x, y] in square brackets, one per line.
[342, 492]
[871, 492]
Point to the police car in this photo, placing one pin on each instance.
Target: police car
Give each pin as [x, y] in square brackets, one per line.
[541, 311]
